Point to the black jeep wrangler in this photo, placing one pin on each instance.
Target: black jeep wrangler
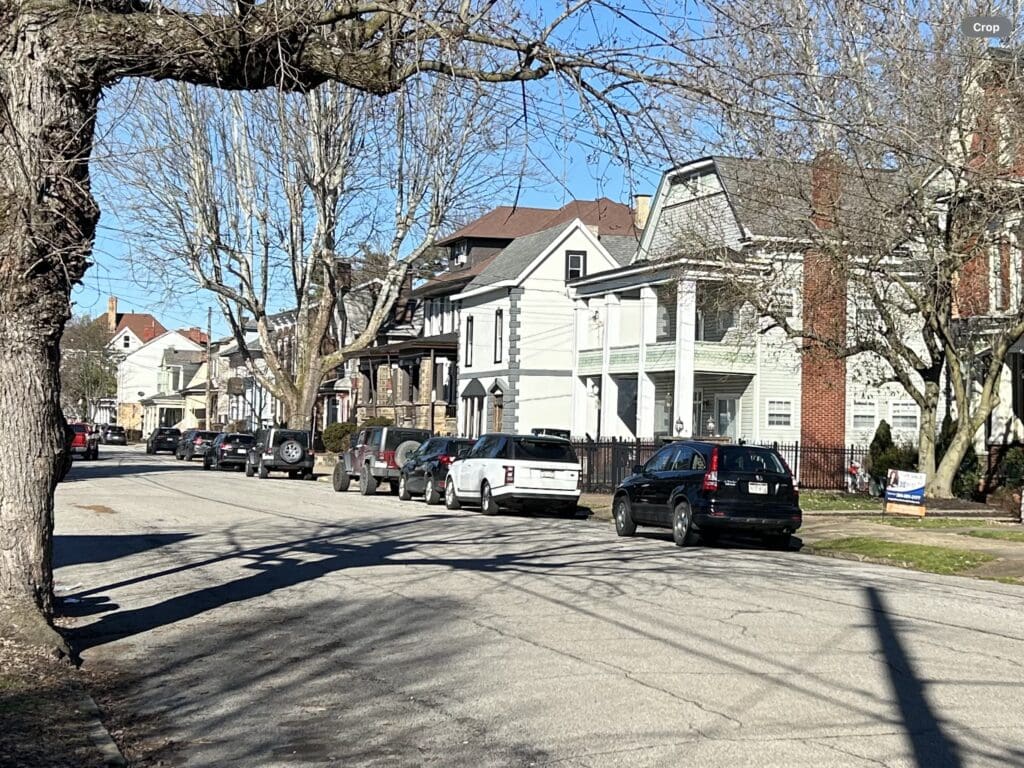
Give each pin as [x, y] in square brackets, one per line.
[280, 450]
[377, 455]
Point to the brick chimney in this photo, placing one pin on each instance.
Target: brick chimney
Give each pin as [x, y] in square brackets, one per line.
[112, 314]
[823, 375]
[641, 211]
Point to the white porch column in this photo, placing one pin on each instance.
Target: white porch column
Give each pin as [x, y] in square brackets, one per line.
[578, 398]
[644, 384]
[686, 331]
[609, 392]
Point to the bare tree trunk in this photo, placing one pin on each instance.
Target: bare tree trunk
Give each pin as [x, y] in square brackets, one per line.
[47, 223]
[926, 442]
[940, 486]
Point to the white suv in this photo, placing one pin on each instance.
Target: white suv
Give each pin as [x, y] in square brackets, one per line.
[516, 471]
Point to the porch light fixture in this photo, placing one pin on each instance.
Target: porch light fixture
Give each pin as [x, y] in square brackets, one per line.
[679, 426]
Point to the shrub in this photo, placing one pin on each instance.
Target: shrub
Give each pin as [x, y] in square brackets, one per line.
[881, 446]
[337, 437]
[894, 457]
[1011, 468]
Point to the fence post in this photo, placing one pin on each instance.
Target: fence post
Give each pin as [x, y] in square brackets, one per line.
[796, 459]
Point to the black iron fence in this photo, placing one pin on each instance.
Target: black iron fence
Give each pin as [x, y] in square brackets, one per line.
[606, 463]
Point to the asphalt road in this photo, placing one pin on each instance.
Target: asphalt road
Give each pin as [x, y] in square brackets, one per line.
[277, 623]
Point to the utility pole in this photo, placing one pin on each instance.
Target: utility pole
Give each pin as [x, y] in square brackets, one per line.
[209, 365]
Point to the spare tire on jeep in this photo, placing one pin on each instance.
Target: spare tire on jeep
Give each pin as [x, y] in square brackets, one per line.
[291, 451]
[404, 451]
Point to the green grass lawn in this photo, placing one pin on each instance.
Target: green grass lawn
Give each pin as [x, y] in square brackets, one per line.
[918, 557]
[827, 501]
[990, 533]
[927, 522]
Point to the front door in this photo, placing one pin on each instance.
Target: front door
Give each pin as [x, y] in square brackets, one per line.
[726, 416]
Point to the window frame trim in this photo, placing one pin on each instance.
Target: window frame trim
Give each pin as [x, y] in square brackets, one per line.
[583, 264]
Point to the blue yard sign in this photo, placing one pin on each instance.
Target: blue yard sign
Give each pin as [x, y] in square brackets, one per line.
[904, 492]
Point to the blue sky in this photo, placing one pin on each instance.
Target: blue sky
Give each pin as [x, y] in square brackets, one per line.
[569, 163]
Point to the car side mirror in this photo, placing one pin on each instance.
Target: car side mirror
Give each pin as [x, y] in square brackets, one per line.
[638, 469]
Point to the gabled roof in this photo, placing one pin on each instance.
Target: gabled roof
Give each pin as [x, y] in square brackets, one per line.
[518, 256]
[183, 356]
[622, 248]
[507, 222]
[142, 324]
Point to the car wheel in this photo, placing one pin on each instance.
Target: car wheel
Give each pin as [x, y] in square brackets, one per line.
[263, 471]
[623, 514]
[308, 476]
[250, 470]
[294, 475]
[430, 494]
[367, 482]
[177, 455]
[206, 464]
[682, 525]
[568, 511]
[403, 488]
[393, 487]
[340, 478]
[189, 454]
[451, 501]
[487, 503]
[781, 541]
[149, 450]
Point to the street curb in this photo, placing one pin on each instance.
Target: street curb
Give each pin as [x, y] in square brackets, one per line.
[100, 736]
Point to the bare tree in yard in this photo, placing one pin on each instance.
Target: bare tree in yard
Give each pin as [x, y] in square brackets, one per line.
[58, 56]
[886, 185]
[88, 370]
[267, 200]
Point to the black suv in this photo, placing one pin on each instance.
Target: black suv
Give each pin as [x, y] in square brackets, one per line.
[377, 455]
[163, 439]
[229, 450]
[425, 471]
[112, 434]
[702, 489]
[280, 450]
[194, 442]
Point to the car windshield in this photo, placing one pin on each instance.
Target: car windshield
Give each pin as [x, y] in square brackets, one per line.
[115, 429]
[206, 435]
[544, 450]
[240, 439]
[169, 432]
[398, 436]
[454, 446]
[80, 427]
[748, 459]
[302, 438]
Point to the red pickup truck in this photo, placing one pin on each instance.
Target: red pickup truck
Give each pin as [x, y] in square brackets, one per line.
[84, 441]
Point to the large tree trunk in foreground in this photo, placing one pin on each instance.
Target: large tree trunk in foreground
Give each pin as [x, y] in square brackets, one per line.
[47, 222]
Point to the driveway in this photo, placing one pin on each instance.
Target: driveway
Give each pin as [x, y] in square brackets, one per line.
[277, 623]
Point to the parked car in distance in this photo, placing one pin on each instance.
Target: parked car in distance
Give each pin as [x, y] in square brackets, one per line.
[503, 471]
[426, 470]
[376, 456]
[113, 434]
[700, 490]
[193, 442]
[84, 441]
[163, 439]
[229, 450]
[280, 450]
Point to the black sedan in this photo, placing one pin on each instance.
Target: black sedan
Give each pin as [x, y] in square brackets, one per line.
[112, 434]
[702, 489]
[425, 471]
[163, 439]
[228, 451]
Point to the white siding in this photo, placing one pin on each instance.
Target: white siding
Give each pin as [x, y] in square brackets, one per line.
[139, 372]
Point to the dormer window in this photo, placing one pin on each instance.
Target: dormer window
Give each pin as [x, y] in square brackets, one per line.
[460, 251]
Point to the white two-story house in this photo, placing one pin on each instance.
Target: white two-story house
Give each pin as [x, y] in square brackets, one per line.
[515, 323]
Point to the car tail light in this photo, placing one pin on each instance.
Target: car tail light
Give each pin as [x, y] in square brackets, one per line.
[579, 481]
[225, 447]
[445, 459]
[711, 476]
[510, 475]
[198, 441]
[389, 457]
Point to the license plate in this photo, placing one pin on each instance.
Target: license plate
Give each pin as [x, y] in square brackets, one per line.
[547, 474]
[240, 450]
[759, 488]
